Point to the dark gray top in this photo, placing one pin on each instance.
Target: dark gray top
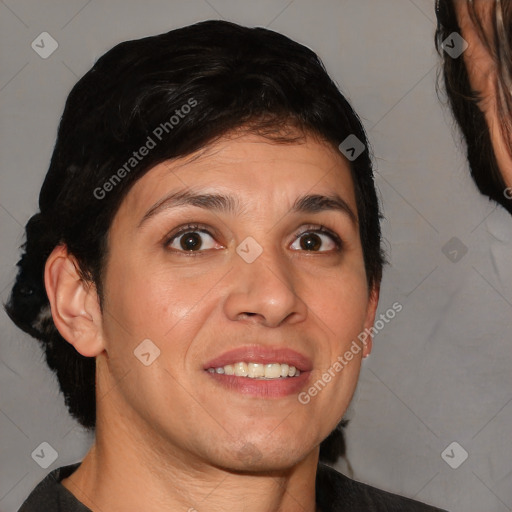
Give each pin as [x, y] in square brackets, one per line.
[334, 493]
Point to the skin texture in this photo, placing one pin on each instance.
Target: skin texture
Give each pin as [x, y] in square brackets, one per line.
[168, 436]
[482, 76]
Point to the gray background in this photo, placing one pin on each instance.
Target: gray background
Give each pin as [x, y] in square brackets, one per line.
[439, 372]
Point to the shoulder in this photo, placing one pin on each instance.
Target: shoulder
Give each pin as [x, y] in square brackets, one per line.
[51, 496]
[338, 493]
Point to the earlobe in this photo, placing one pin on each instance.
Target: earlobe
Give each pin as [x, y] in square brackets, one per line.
[373, 303]
[74, 303]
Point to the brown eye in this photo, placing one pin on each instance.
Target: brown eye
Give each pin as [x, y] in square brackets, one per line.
[191, 239]
[312, 240]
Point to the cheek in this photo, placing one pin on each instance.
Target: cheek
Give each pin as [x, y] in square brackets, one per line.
[167, 306]
[341, 301]
[144, 299]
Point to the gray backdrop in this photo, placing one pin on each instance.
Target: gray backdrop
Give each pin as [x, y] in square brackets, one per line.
[440, 370]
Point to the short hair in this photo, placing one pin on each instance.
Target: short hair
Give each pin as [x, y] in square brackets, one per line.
[463, 100]
[187, 88]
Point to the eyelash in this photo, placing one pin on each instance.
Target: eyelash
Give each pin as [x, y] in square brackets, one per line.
[199, 228]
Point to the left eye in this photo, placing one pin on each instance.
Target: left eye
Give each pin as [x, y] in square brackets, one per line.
[311, 240]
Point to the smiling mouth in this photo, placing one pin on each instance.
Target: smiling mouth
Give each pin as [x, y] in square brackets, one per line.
[258, 371]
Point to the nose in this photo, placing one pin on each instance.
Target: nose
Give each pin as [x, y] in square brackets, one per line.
[264, 292]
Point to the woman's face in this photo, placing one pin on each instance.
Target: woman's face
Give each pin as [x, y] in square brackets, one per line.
[257, 278]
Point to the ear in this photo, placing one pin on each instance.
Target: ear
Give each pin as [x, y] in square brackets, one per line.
[373, 302]
[74, 303]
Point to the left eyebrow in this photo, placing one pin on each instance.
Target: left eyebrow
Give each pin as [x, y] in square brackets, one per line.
[316, 203]
[311, 203]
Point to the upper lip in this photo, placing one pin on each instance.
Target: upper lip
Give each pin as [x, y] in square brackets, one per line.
[263, 355]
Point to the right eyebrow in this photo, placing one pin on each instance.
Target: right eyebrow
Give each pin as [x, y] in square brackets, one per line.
[215, 202]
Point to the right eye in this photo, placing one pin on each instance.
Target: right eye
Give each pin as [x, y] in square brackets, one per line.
[188, 239]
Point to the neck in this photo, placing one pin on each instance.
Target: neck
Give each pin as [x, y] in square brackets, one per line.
[121, 472]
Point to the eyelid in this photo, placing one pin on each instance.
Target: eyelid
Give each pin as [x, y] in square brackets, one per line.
[189, 228]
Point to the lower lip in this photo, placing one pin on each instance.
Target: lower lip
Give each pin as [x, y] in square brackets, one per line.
[275, 388]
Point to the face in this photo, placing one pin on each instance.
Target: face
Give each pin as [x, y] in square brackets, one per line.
[212, 286]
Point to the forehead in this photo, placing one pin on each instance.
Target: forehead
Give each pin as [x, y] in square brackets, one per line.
[259, 171]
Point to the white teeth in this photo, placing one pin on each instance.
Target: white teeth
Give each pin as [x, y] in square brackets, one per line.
[257, 370]
[272, 371]
[240, 369]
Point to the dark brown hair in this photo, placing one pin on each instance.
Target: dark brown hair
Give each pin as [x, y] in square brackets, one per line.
[464, 100]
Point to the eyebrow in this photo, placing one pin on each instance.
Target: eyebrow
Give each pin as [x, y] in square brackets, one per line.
[310, 203]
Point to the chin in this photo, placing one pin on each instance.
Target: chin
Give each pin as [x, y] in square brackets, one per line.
[251, 458]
